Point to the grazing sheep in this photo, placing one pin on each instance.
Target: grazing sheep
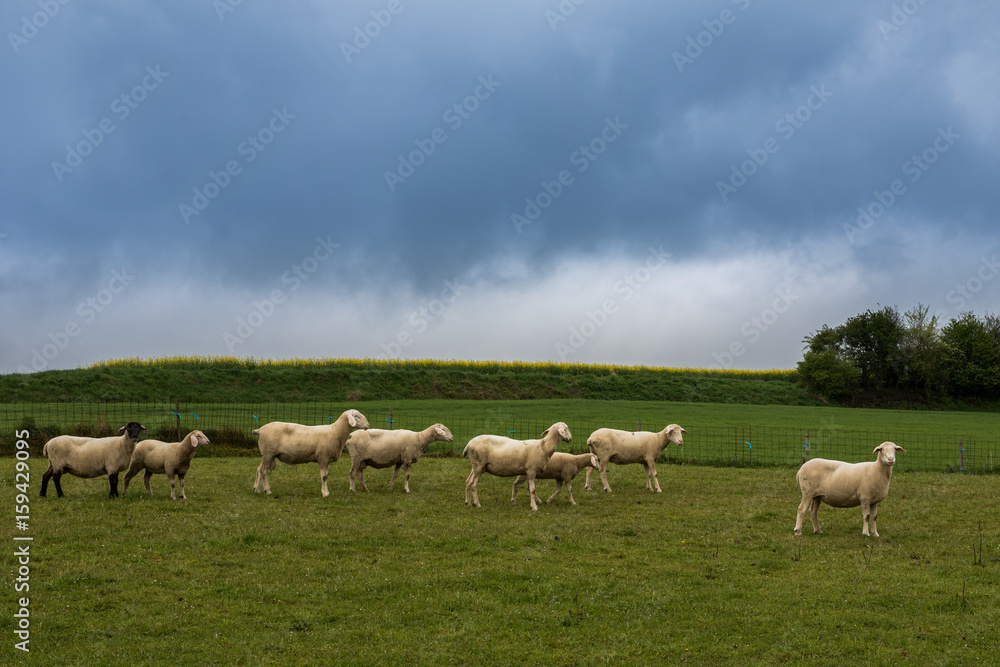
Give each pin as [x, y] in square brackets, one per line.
[840, 484]
[562, 468]
[157, 456]
[623, 447]
[90, 457]
[379, 448]
[295, 443]
[505, 457]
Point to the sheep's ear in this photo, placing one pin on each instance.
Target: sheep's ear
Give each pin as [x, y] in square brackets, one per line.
[121, 430]
[351, 420]
[900, 449]
[683, 430]
[545, 432]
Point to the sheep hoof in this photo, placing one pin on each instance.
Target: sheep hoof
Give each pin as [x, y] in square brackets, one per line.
[798, 532]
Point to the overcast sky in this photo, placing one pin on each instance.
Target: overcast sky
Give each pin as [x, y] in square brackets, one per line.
[676, 184]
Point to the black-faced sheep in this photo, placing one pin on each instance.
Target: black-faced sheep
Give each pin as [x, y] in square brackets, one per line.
[90, 457]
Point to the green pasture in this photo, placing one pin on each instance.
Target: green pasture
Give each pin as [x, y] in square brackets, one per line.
[706, 573]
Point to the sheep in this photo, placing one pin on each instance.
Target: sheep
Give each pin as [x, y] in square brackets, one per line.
[295, 443]
[505, 457]
[90, 457]
[156, 456]
[562, 468]
[840, 484]
[380, 448]
[624, 447]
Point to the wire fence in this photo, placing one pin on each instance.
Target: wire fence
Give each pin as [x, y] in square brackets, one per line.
[230, 426]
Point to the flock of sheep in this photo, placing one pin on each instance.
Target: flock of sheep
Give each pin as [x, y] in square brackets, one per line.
[836, 483]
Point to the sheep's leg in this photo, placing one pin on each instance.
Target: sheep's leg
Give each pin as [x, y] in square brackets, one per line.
[361, 475]
[45, 481]
[803, 507]
[656, 480]
[559, 484]
[132, 472]
[520, 480]
[604, 476]
[394, 473]
[569, 491]
[471, 488]
[406, 478]
[324, 473]
[262, 476]
[113, 482]
[352, 474]
[814, 515]
[531, 492]
[874, 514]
[55, 480]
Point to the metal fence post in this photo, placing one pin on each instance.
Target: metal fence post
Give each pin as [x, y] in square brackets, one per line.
[177, 411]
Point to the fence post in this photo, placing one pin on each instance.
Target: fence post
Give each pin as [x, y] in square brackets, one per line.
[807, 445]
[390, 418]
[961, 456]
[177, 410]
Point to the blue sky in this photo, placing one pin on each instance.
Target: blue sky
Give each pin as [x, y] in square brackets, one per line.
[682, 184]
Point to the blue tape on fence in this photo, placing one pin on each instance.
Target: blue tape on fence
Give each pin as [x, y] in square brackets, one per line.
[255, 418]
[175, 413]
[195, 416]
[750, 444]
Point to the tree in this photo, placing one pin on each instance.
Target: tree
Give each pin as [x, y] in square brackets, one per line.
[973, 356]
[922, 353]
[871, 341]
[825, 367]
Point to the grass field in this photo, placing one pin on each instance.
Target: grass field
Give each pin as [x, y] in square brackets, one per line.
[706, 573]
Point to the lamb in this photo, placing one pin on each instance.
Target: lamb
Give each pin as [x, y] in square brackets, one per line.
[505, 457]
[624, 447]
[562, 468]
[840, 484]
[379, 448]
[90, 457]
[156, 456]
[295, 443]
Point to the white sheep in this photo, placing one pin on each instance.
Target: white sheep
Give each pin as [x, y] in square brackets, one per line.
[840, 484]
[156, 456]
[623, 447]
[561, 467]
[505, 457]
[295, 443]
[380, 448]
[90, 457]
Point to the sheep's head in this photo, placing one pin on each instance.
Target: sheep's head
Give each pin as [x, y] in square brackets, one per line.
[355, 419]
[442, 433]
[887, 452]
[198, 439]
[562, 430]
[133, 429]
[675, 434]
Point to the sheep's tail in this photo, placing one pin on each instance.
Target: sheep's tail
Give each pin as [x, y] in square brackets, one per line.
[465, 452]
[256, 431]
[45, 447]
